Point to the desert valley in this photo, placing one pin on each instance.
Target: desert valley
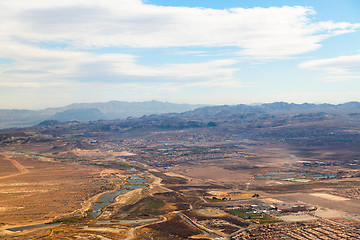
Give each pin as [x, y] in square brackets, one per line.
[273, 171]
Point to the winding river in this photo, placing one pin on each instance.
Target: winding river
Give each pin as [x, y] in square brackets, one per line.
[104, 200]
[135, 182]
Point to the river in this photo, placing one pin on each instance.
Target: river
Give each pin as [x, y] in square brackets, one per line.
[104, 200]
[134, 182]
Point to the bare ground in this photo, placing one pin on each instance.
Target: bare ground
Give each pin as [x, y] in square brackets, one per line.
[43, 190]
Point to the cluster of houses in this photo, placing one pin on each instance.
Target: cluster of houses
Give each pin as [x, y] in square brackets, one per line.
[281, 208]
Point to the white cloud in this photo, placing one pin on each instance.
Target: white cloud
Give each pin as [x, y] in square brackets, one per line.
[260, 32]
[338, 65]
[339, 69]
[341, 78]
[36, 65]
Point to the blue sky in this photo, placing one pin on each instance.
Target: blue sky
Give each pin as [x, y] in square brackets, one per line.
[184, 51]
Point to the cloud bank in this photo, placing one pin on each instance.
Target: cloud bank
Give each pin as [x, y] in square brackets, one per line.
[261, 32]
[342, 64]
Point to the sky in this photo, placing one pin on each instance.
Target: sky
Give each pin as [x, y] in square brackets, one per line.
[54, 53]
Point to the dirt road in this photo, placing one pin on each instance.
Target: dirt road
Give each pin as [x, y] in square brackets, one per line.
[19, 166]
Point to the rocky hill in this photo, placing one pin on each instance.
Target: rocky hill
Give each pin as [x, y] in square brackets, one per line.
[302, 125]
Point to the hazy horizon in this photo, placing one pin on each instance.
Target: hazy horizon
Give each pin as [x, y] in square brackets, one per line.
[204, 104]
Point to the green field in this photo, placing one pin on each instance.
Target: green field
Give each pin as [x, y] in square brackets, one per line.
[258, 218]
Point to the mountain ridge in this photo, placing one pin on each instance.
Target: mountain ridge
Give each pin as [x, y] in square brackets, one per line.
[104, 110]
[155, 110]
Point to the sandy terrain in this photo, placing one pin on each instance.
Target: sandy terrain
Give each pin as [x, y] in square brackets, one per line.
[124, 153]
[271, 200]
[214, 173]
[329, 213]
[172, 174]
[7, 167]
[297, 217]
[11, 167]
[132, 232]
[104, 229]
[329, 197]
[45, 191]
[130, 197]
[155, 186]
[351, 206]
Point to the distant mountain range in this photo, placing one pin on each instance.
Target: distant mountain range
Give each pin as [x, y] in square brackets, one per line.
[90, 112]
[296, 125]
[278, 109]
[248, 117]
[164, 113]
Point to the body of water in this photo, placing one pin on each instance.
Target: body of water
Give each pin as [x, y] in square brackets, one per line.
[134, 182]
[282, 175]
[106, 199]
[29, 227]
